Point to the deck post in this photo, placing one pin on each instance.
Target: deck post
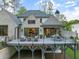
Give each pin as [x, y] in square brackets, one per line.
[64, 51]
[43, 56]
[54, 51]
[32, 53]
[18, 53]
[74, 51]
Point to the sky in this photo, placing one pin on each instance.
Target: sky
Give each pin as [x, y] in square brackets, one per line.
[70, 8]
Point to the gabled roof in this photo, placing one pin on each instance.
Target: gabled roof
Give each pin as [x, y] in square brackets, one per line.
[36, 13]
[5, 13]
[52, 21]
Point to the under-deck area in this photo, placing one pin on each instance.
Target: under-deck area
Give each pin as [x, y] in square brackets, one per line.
[53, 48]
[26, 54]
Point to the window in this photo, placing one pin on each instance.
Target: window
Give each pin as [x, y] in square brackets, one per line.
[49, 31]
[29, 32]
[3, 30]
[31, 21]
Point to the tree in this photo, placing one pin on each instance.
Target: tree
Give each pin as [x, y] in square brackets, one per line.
[10, 5]
[46, 6]
[68, 25]
[21, 11]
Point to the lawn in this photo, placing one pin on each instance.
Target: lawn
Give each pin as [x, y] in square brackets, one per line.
[70, 53]
[1, 45]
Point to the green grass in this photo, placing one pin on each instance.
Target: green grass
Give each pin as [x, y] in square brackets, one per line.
[1, 45]
[70, 53]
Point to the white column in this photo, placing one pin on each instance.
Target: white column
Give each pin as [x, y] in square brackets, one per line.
[15, 34]
[41, 32]
[23, 32]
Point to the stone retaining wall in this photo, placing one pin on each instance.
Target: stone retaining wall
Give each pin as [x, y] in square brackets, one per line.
[7, 52]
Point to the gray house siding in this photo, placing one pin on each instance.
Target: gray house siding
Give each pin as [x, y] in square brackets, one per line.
[6, 18]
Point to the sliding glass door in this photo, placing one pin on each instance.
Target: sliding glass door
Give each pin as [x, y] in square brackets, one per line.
[49, 31]
[31, 32]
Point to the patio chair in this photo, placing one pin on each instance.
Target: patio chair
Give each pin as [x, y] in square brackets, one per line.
[22, 39]
[29, 39]
[57, 38]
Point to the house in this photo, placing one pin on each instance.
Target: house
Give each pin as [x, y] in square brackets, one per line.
[37, 23]
[50, 31]
[9, 24]
[32, 21]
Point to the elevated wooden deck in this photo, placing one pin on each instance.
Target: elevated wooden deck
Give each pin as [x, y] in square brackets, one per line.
[45, 41]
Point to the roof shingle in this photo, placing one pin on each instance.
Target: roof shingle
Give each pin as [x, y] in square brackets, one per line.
[36, 13]
[4, 12]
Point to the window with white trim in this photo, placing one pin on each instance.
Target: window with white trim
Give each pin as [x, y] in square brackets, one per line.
[3, 30]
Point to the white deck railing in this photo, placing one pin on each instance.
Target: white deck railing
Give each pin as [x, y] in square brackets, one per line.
[39, 41]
